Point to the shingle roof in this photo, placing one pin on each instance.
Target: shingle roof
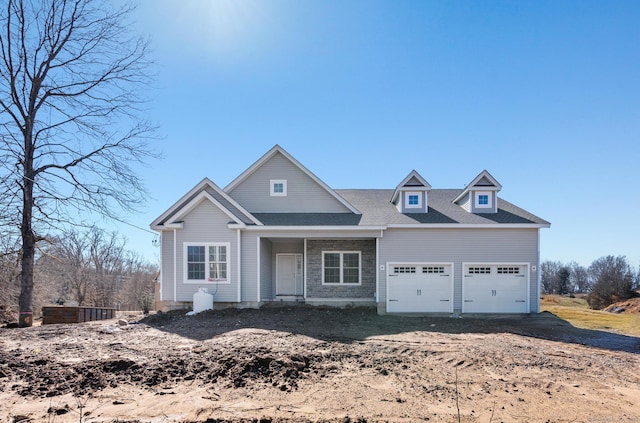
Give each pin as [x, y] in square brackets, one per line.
[308, 219]
[377, 210]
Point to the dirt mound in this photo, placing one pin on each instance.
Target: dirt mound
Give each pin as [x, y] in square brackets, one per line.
[46, 377]
[632, 305]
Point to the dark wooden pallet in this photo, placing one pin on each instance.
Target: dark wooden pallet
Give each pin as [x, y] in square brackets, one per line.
[62, 314]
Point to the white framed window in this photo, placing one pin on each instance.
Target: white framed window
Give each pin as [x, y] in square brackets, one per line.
[413, 200]
[483, 200]
[206, 262]
[278, 187]
[341, 268]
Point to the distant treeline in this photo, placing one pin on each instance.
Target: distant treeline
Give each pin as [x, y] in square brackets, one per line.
[607, 280]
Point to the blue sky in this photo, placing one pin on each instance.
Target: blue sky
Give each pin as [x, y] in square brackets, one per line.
[543, 94]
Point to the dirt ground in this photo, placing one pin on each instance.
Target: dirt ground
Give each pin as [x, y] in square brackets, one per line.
[306, 364]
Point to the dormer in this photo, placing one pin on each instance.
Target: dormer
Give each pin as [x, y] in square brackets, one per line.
[411, 195]
[480, 195]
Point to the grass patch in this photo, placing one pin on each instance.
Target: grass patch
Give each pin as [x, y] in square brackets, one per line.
[577, 312]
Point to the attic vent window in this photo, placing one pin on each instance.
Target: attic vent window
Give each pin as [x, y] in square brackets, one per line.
[278, 187]
[483, 199]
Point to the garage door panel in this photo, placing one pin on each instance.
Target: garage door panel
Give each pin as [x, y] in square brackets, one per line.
[495, 289]
[419, 288]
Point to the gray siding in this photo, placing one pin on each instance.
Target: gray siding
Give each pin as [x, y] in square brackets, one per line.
[266, 270]
[465, 202]
[367, 288]
[166, 272]
[249, 274]
[457, 246]
[494, 204]
[207, 223]
[303, 193]
[403, 199]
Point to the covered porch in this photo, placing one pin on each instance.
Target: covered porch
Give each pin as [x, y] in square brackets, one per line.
[336, 271]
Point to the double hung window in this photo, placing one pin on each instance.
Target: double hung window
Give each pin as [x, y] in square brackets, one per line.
[207, 262]
[341, 267]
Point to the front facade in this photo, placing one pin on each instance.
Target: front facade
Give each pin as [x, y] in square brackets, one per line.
[278, 233]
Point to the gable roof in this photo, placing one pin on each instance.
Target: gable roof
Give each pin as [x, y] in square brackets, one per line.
[484, 181]
[411, 182]
[267, 156]
[205, 189]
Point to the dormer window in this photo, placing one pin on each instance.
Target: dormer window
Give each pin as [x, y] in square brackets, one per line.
[412, 194]
[413, 200]
[278, 187]
[483, 200]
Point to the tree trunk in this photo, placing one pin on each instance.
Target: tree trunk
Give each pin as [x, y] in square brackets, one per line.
[28, 257]
[26, 231]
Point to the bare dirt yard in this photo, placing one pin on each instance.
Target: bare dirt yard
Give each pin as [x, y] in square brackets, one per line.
[308, 364]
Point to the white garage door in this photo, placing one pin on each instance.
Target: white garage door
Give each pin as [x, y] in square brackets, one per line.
[419, 288]
[490, 288]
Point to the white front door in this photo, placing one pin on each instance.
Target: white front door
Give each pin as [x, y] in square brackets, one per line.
[289, 274]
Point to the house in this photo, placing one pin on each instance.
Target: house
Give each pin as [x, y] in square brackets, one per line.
[279, 233]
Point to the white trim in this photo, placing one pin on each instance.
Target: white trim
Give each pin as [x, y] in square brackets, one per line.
[342, 283]
[468, 226]
[272, 185]
[378, 269]
[309, 228]
[268, 155]
[304, 270]
[185, 270]
[239, 260]
[465, 264]
[476, 199]
[388, 270]
[161, 279]
[295, 255]
[477, 179]
[259, 266]
[408, 194]
[200, 187]
[265, 228]
[175, 265]
[538, 275]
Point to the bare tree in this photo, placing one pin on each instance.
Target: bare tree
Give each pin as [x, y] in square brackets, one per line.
[71, 74]
[612, 281]
[95, 268]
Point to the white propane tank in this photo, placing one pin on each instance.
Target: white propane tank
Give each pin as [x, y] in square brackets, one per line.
[202, 301]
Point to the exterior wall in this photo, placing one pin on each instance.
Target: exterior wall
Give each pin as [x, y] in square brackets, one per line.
[303, 193]
[461, 245]
[465, 202]
[315, 288]
[249, 271]
[266, 270]
[167, 268]
[494, 203]
[206, 223]
[424, 205]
